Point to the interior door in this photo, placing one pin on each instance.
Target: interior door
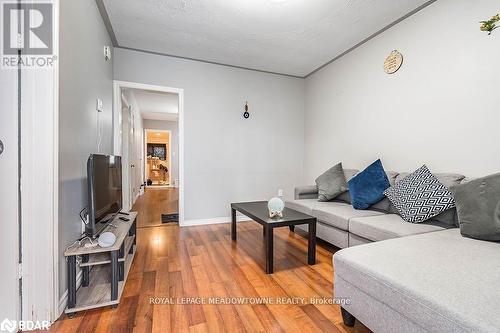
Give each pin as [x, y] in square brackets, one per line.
[133, 159]
[9, 190]
[126, 157]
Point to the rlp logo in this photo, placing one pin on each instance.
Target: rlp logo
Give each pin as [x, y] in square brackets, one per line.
[27, 27]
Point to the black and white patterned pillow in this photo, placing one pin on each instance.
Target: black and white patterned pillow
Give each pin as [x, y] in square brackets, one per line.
[420, 196]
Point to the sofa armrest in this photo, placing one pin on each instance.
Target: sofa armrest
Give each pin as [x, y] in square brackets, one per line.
[306, 192]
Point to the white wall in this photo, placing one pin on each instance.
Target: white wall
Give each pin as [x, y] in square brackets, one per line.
[84, 76]
[228, 158]
[173, 127]
[441, 108]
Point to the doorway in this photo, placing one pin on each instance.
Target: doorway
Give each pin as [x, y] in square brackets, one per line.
[158, 157]
[139, 110]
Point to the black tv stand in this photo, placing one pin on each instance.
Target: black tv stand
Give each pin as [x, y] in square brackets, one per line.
[104, 270]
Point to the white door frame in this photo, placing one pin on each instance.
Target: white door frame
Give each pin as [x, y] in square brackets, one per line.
[117, 124]
[10, 307]
[37, 239]
[169, 153]
[40, 187]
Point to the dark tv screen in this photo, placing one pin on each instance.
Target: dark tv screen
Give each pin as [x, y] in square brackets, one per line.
[104, 174]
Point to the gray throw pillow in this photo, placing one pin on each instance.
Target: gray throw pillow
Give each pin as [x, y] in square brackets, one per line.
[331, 183]
[478, 207]
[346, 197]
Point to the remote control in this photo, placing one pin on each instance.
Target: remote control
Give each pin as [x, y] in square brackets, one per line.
[124, 218]
[123, 213]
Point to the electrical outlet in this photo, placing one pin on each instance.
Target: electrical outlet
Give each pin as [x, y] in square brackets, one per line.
[86, 221]
[280, 193]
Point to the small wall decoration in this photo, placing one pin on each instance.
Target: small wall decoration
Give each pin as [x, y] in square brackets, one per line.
[393, 62]
[158, 150]
[246, 114]
[490, 24]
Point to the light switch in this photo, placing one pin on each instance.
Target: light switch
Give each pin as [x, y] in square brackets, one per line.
[107, 53]
[99, 105]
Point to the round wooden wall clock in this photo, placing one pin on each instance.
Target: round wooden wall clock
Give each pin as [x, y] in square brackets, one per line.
[393, 62]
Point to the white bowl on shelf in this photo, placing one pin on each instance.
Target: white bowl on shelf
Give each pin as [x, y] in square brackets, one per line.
[107, 239]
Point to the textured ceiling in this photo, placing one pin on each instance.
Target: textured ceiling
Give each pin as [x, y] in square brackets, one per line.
[292, 37]
[157, 106]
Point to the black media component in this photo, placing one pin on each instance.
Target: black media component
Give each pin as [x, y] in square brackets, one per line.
[104, 180]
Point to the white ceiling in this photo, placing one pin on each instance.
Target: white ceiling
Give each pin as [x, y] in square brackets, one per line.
[292, 37]
[156, 105]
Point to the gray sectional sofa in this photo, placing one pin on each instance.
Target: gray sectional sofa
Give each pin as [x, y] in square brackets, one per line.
[407, 277]
[343, 226]
[433, 282]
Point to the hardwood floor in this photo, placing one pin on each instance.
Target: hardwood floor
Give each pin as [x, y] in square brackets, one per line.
[153, 203]
[175, 264]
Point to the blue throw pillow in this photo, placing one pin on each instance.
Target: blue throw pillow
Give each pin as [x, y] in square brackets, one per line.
[368, 186]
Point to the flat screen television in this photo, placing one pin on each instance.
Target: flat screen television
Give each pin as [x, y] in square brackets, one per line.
[104, 179]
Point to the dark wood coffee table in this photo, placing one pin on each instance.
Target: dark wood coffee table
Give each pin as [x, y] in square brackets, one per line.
[258, 212]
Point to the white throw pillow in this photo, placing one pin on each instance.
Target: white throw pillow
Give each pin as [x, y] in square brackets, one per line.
[420, 196]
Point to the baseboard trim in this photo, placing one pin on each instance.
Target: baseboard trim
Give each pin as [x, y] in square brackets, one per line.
[215, 220]
[64, 298]
[159, 187]
[135, 198]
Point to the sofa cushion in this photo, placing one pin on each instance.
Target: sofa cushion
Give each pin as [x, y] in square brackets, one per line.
[346, 197]
[332, 235]
[478, 206]
[302, 205]
[306, 192]
[378, 228]
[440, 280]
[392, 175]
[331, 183]
[449, 216]
[420, 196]
[338, 214]
[368, 186]
[385, 204]
[355, 240]
[449, 179]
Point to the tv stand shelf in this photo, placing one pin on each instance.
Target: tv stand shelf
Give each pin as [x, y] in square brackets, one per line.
[104, 270]
[105, 257]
